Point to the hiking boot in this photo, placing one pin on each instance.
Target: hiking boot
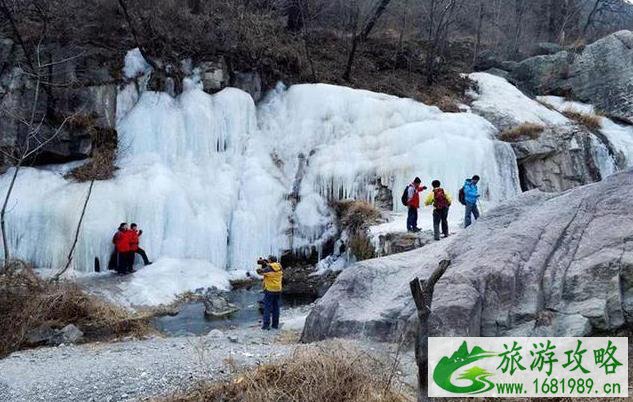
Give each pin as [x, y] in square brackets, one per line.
[416, 230]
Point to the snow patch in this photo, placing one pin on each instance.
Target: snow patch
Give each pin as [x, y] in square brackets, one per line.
[496, 96]
[167, 278]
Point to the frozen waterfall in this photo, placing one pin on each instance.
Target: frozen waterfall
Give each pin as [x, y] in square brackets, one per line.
[209, 177]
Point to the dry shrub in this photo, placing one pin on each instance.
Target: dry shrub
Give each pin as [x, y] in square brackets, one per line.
[101, 165]
[28, 302]
[591, 121]
[356, 215]
[361, 246]
[524, 131]
[325, 373]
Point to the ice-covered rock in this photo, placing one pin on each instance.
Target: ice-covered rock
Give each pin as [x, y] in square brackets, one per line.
[564, 155]
[542, 264]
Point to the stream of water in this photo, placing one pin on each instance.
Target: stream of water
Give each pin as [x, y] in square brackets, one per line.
[191, 319]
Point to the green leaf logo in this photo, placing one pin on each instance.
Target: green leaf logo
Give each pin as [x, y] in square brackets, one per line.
[478, 376]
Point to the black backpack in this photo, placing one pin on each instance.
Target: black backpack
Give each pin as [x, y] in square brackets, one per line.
[405, 196]
[462, 196]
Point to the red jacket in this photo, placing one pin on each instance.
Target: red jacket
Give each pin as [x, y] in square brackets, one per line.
[414, 201]
[134, 240]
[121, 241]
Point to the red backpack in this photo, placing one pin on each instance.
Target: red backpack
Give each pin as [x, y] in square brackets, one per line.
[439, 199]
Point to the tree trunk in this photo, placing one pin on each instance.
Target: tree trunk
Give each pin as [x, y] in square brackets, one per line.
[295, 15]
[422, 292]
[363, 36]
[5, 242]
[480, 21]
[74, 245]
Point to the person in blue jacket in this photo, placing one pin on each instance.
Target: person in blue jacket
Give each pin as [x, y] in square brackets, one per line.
[471, 195]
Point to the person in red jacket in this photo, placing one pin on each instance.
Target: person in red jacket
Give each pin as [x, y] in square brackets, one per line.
[413, 203]
[121, 240]
[134, 235]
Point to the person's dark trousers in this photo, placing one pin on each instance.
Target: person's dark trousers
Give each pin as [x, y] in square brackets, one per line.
[127, 259]
[271, 309]
[112, 262]
[143, 255]
[121, 263]
[412, 219]
[440, 216]
[471, 209]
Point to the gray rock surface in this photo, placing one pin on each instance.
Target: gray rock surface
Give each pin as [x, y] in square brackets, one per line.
[214, 74]
[602, 74]
[216, 304]
[542, 264]
[83, 86]
[46, 335]
[399, 242]
[249, 81]
[563, 157]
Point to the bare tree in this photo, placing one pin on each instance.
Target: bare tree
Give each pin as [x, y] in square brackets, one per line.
[360, 37]
[71, 252]
[481, 12]
[520, 7]
[34, 131]
[441, 17]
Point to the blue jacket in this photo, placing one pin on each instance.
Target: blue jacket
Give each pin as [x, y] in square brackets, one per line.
[470, 192]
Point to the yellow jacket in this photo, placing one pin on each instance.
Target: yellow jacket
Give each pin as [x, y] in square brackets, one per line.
[273, 277]
[430, 199]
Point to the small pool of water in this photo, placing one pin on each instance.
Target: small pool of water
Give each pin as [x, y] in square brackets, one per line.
[192, 321]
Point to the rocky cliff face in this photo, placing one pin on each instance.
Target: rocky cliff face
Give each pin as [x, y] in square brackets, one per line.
[601, 74]
[540, 265]
[76, 82]
[560, 155]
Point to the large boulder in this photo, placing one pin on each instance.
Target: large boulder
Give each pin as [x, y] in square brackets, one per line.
[602, 74]
[542, 264]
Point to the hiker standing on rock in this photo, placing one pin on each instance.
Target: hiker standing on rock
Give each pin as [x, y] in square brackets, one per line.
[411, 198]
[441, 201]
[468, 196]
[272, 272]
[135, 235]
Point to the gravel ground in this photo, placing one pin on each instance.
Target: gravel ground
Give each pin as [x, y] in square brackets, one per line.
[129, 370]
[139, 369]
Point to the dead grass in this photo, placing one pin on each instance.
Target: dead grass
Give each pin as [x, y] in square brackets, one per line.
[101, 165]
[522, 132]
[325, 373]
[355, 215]
[28, 302]
[591, 121]
[361, 246]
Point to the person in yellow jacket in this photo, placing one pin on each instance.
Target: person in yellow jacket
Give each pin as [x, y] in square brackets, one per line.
[272, 272]
[441, 202]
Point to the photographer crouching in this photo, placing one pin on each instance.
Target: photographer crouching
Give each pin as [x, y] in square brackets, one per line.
[272, 272]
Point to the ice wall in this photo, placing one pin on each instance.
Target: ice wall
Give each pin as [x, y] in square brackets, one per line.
[209, 177]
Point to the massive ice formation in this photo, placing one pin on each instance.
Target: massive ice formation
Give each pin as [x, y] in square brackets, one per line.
[212, 177]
